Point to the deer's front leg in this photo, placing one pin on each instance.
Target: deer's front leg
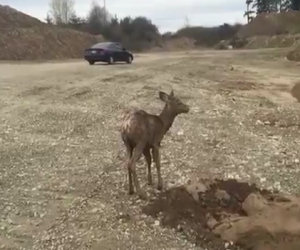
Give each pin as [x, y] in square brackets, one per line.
[156, 157]
[148, 160]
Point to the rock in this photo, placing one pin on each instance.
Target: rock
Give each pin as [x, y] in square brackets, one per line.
[297, 161]
[195, 188]
[254, 204]
[179, 228]
[222, 195]
[211, 222]
[157, 223]
[180, 132]
[259, 122]
[263, 179]
[277, 185]
[95, 210]
[9, 220]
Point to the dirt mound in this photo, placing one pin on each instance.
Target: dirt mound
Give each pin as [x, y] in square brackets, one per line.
[272, 30]
[296, 91]
[228, 214]
[294, 55]
[11, 18]
[178, 43]
[25, 37]
[278, 41]
[271, 24]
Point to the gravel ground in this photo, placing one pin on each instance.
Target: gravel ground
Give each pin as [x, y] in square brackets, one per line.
[62, 177]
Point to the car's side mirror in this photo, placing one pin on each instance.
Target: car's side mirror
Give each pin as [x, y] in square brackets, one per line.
[124, 49]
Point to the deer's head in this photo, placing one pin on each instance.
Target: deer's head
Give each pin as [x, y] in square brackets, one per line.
[173, 104]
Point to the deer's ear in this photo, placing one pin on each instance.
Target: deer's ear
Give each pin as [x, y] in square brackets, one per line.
[163, 96]
[172, 93]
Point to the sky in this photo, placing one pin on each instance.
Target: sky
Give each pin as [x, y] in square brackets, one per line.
[168, 15]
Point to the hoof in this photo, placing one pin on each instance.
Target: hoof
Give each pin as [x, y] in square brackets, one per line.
[131, 192]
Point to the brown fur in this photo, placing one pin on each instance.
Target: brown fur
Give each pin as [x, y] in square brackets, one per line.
[142, 132]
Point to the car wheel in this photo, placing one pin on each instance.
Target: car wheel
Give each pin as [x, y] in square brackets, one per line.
[129, 60]
[91, 62]
[111, 60]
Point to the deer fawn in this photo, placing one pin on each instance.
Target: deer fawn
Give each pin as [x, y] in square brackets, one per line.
[142, 132]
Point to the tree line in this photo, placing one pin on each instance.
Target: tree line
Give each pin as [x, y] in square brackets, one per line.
[268, 6]
[135, 33]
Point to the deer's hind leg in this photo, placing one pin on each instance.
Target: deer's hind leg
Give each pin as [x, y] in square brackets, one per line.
[136, 154]
[147, 155]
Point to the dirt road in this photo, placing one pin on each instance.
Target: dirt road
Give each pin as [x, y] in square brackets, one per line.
[62, 176]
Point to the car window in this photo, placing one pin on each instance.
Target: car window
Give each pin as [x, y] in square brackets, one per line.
[101, 45]
[112, 46]
[119, 46]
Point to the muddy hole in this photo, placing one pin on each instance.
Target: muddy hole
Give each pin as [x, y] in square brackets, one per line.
[296, 91]
[225, 215]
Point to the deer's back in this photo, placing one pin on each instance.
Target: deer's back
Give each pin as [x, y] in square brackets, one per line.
[138, 125]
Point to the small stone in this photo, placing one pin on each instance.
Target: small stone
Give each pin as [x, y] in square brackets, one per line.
[95, 210]
[253, 204]
[180, 132]
[227, 245]
[179, 228]
[277, 185]
[211, 222]
[259, 122]
[263, 179]
[222, 195]
[9, 220]
[157, 223]
[297, 161]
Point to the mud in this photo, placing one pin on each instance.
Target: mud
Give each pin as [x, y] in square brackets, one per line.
[230, 215]
[177, 208]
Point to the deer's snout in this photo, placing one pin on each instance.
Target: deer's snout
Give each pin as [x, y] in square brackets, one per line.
[186, 109]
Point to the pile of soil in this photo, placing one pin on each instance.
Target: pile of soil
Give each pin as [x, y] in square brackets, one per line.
[230, 215]
[296, 90]
[177, 43]
[25, 38]
[271, 24]
[294, 54]
[269, 30]
[277, 41]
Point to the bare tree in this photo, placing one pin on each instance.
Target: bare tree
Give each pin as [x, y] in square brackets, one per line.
[62, 10]
[186, 22]
[49, 19]
[97, 18]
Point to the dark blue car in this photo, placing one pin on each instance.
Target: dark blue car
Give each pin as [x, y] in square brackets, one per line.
[109, 52]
